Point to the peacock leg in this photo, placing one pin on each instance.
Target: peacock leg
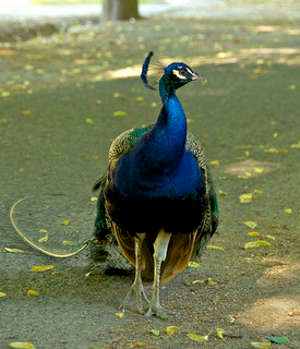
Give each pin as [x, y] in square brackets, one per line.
[136, 296]
[160, 253]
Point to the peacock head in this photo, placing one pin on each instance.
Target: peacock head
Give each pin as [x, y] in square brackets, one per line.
[179, 74]
[175, 74]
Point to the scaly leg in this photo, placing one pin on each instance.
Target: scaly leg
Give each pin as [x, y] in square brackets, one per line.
[136, 294]
[160, 253]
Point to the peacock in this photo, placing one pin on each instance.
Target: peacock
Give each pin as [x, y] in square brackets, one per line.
[157, 197]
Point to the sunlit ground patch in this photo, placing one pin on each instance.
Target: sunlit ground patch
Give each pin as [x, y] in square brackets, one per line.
[250, 168]
[275, 313]
[283, 55]
[282, 274]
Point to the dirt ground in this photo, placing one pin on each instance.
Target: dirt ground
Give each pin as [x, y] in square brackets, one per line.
[59, 97]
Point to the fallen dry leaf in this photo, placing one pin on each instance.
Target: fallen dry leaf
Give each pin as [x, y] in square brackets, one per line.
[211, 282]
[21, 345]
[32, 293]
[280, 340]
[120, 314]
[261, 345]
[253, 234]
[68, 242]
[66, 221]
[89, 121]
[45, 237]
[13, 250]
[171, 330]
[3, 295]
[288, 211]
[120, 113]
[214, 163]
[42, 268]
[155, 332]
[294, 313]
[193, 264]
[295, 145]
[215, 248]
[257, 244]
[197, 338]
[246, 198]
[250, 224]
[220, 332]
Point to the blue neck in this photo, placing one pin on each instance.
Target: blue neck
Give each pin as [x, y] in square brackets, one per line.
[162, 148]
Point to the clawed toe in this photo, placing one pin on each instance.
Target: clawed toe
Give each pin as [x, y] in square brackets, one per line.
[135, 300]
[157, 311]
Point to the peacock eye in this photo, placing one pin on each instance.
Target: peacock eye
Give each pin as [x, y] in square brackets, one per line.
[179, 74]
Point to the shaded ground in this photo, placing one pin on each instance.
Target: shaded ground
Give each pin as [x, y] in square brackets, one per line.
[58, 98]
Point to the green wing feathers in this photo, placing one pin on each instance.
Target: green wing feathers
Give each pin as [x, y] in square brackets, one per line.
[211, 215]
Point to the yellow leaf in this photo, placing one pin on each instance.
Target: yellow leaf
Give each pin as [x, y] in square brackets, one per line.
[32, 293]
[68, 242]
[246, 198]
[194, 282]
[13, 250]
[45, 237]
[2, 295]
[257, 244]
[261, 345]
[120, 113]
[220, 332]
[21, 345]
[93, 199]
[215, 163]
[275, 134]
[89, 121]
[271, 237]
[66, 222]
[26, 112]
[222, 193]
[250, 224]
[155, 332]
[276, 151]
[295, 145]
[215, 248]
[120, 314]
[259, 170]
[5, 94]
[197, 338]
[253, 234]
[288, 211]
[171, 330]
[139, 99]
[193, 264]
[211, 282]
[41, 268]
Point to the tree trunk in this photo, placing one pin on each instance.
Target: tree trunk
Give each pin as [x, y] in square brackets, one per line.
[114, 10]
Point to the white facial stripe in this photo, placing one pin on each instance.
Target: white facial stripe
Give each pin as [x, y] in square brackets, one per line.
[189, 70]
[177, 73]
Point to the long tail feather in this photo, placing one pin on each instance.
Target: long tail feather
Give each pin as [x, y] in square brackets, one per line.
[145, 71]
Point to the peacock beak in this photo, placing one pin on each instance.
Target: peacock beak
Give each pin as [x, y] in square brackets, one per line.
[202, 78]
[195, 76]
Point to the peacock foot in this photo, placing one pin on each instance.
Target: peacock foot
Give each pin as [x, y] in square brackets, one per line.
[135, 299]
[158, 311]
